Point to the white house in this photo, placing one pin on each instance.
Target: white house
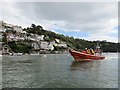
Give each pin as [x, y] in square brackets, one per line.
[24, 32]
[62, 45]
[11, 37]
[2, 29]
[31, 37]
[18, 29]
[35, 37]
[50, 47]
[1, 35]
[40, 37]
[57, 40]
[1, 24]
[53, 43]
[1, 47]
[8, 25]
[46, 45]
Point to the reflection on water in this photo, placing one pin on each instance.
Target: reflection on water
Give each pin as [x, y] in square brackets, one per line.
[59, 71]
[81, 65]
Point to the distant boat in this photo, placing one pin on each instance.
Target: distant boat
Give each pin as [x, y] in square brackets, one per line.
[16, 54]
[83, 56]
[35, 54]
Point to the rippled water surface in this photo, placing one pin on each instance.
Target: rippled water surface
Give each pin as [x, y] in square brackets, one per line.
[59, 71]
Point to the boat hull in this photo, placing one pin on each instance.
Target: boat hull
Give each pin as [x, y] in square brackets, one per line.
[82, 56]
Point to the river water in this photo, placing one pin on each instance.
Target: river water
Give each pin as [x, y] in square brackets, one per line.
[59, 71]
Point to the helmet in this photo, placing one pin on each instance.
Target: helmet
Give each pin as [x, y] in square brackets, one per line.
[85, 48]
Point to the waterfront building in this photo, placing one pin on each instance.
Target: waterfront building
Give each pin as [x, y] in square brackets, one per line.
[6, 49]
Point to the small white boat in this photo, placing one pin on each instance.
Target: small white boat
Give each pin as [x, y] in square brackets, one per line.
[35, 54]
[17, 54]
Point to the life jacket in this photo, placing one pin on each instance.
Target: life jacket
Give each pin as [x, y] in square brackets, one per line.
[92, 52]
[88, 51]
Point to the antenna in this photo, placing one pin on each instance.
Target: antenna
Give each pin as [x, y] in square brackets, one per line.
[97, 47]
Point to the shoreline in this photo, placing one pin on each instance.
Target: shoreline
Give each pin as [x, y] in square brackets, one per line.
[33, 54]
[37, 53]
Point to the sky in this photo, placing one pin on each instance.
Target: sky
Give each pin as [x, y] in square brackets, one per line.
[85, 20]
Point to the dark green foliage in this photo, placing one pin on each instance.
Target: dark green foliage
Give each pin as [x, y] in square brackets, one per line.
[56, 48]
[20, 47]
[118, 47]
[109, 47]
[4, 38]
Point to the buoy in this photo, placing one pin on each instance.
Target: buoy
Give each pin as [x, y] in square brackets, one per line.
[44, 55]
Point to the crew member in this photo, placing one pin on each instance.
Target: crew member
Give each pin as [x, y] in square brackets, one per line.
[91, 51]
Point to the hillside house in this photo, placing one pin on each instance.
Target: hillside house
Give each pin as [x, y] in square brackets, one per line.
[18, 29]
[46, 45]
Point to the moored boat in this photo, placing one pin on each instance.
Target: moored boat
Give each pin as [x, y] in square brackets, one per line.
[77, 55]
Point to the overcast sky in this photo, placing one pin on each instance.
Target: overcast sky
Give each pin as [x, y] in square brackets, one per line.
[85, 20]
